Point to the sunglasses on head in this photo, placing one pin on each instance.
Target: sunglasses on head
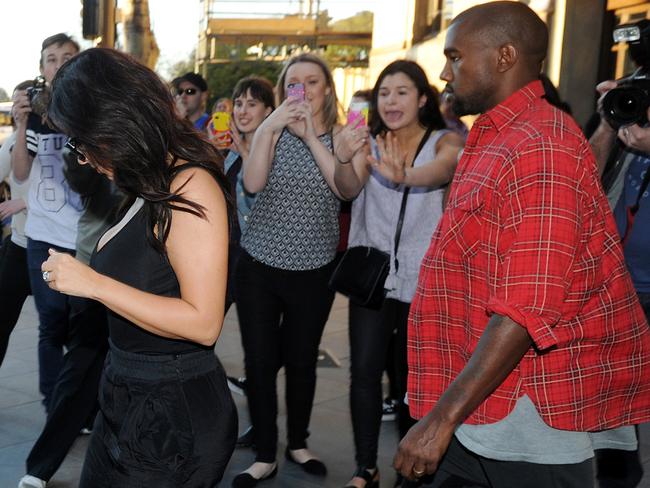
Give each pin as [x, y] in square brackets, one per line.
[71, 144]
[188, 91]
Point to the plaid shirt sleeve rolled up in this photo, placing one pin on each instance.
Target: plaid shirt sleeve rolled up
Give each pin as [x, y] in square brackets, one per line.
[528, 234]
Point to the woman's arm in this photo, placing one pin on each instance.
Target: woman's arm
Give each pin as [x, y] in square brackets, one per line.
[438, 172]
[198, 252]
[257, 166]
[352, 149]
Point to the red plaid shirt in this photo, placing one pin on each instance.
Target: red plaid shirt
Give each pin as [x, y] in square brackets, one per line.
[528, 234]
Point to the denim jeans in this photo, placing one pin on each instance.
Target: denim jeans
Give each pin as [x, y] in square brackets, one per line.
[53, 314]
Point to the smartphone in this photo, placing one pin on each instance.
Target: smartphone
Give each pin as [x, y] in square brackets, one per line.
[220, 130]
[221, 121]
[296, 90]
[358, 110]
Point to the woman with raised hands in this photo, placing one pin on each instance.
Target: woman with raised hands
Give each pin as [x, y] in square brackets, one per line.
[409, 148]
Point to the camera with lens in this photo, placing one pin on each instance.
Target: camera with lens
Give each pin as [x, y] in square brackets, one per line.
[39, 95]
[628, 103]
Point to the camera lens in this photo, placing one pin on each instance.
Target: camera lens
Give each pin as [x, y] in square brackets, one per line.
[625, 105]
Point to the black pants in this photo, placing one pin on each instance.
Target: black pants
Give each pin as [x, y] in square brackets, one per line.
[14, 289]
[461, 468]
[371, 332]
[164, 421]
[74, 398]
[282, 315]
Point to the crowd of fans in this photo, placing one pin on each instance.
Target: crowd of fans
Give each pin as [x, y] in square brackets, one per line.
[512, 322]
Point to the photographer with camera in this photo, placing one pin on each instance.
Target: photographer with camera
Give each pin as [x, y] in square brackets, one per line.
[54, 209]
[621, 144]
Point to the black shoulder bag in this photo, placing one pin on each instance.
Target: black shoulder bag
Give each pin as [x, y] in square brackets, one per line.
[362, 270]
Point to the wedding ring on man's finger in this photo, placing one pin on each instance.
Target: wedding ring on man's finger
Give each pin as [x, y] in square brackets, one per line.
[417, 472]
[46, 276]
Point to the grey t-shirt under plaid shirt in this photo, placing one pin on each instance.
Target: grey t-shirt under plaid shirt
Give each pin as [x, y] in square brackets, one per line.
[294, 222]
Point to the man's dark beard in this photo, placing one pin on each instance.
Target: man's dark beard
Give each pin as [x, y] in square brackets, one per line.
[476, 103]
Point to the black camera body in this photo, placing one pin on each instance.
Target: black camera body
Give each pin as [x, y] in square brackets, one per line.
[628, 103]
[39, 95]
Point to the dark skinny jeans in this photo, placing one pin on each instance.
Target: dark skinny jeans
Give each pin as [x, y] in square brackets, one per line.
[282, 315]
[370, 335]
[14, 289]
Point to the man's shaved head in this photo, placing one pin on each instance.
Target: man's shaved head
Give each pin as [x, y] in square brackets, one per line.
[499, 23]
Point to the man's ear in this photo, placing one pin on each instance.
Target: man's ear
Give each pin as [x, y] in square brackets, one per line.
[508, 57]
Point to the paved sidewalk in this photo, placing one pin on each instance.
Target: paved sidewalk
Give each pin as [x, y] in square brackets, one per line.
[22, 417]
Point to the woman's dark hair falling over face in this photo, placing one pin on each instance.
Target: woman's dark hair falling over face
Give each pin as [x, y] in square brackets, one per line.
[123, 117]
[428, 115]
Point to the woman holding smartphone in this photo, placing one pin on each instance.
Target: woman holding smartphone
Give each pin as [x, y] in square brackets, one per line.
[289, 246]
[411, 147]
[166, 416]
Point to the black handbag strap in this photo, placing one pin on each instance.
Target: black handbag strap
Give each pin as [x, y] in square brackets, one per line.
[402, 209]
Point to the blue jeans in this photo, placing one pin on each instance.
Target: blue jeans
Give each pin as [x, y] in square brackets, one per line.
[53, 311]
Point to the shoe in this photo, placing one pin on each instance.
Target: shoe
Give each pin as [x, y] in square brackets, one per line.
[29, 481]
[237, 385]
[247, 480]
[247, 439]
[371, 479]
[389, 410]
[312, 466]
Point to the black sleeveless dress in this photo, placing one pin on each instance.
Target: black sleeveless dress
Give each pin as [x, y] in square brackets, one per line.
[166, 415]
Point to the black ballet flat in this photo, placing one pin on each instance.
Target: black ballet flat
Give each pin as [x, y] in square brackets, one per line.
[371, 479]
[247, 480]
[314, 466]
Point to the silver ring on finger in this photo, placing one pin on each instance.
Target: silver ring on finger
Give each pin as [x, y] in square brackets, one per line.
[46, 276]
[417, 472]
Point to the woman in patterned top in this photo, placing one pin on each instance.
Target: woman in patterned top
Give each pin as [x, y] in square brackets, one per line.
[288, 251]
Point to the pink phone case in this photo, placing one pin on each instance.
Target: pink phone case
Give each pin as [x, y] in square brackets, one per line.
[296, 90]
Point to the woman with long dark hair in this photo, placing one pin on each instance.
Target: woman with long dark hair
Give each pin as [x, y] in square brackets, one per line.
[410, 148]
[166, 416]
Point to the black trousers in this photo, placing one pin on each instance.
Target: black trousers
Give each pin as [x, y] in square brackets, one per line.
[74, 398]
[14, 289]
[461, 468]
[371, 332]
[166, 421]
[282, 315]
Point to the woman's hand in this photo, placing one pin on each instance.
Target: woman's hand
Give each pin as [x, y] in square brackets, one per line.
[237, 143]
[65, 274]
[11, 207]
[350, 140]
[304, 127]
[392, 159]
[285, 114]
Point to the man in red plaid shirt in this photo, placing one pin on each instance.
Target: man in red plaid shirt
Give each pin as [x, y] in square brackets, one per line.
[527, 345]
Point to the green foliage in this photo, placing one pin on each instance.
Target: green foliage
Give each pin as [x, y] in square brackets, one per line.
[349, 55]
[222, 77]
[182, 67]
[359, 22]
[3, 95]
